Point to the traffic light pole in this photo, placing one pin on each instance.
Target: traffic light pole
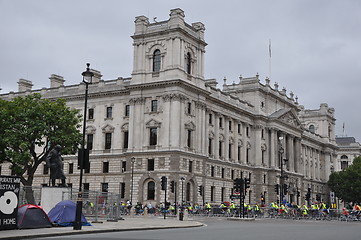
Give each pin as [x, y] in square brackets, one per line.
[165, 201]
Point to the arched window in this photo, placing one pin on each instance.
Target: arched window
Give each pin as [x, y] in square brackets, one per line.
[156, 60]
[311, 128]
[188, 63]
[188, 192]
[151, 191]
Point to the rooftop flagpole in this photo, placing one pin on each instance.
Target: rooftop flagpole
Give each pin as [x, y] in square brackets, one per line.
[270, 55]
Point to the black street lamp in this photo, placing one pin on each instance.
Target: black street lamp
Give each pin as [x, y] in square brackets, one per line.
[87, 79]
[181, 214]
[131, 190]
[283, 175]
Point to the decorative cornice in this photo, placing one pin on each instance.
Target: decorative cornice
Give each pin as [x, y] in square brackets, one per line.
[175, 97]
[137, 101]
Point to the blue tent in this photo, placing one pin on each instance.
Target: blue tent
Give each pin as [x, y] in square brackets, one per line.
[63, 214]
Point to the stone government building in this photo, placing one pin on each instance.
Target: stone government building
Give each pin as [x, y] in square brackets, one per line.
[173, 122]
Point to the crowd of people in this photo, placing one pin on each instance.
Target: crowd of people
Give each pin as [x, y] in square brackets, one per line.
[316, 210]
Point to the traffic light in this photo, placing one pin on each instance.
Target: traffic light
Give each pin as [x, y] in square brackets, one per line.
[285, 189]
[200, 190]
[247, 183]
[308, 194]
[298, 194]
[172, 186]
[263, 200]
[83, 156]
[277, 189]
[318, 197]
[238, 185]
[164, 182]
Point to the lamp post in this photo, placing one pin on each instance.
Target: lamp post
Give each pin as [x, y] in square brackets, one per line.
[181, 213]
[131, 190]
[283, 176]
[87, 79]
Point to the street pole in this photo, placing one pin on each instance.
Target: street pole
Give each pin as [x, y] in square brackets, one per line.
[281, 151]
[131, 190]
[87, 79]
[175, 197]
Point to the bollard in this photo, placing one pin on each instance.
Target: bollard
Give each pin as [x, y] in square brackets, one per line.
[180, 214]
[185, 215]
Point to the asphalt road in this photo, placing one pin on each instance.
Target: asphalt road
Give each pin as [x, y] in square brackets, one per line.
[221, 229]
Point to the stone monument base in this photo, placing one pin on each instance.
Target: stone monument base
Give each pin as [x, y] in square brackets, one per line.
[50, 196]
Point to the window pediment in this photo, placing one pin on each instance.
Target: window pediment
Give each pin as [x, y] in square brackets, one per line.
[108, 129]
[153, 123]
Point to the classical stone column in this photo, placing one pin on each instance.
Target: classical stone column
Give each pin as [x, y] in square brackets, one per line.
[273, 148]
[298, 166]
[290, 150]
[257, 145]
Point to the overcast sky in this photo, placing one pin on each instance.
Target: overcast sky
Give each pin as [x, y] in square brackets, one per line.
[316, 44]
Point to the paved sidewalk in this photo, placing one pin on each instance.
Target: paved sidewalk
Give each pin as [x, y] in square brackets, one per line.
[129, 224]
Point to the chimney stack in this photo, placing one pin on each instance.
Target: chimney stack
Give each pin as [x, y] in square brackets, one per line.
[24, 85]
[56, 81]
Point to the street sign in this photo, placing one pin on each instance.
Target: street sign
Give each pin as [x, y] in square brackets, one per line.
[235, 196]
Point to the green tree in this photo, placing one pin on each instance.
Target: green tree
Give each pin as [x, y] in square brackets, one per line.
[347, 183]
[30, 126]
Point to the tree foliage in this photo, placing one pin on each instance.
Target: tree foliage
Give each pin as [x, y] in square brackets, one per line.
[347, 183]
[30, 126]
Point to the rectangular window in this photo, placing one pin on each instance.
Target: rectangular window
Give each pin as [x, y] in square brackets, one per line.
[230, 125]
[153, 136]
[247, 131]
[89, 141]
[71, 168]
[220, 149]
[150, 164]
[239, 128]
[45, 169]
[210, 119]
[86, 190]
[190, 166]
[108, 140]
[209, 146]
[220, 122]
[222, 194]
[104, 187]
[154, 107]
[124, 166]
[222, 176]
[189, 108]
[127, 110]
[91, 113]
[105, 167]
[1, 169]
[212, 171]
[189, 138]
[126, 137]
[109, 112]
[229, 151]
[212, 193]
[70, 185]
[122, 190]
[232, 174]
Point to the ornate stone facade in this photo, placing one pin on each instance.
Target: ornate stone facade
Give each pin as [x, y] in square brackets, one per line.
[177, 124]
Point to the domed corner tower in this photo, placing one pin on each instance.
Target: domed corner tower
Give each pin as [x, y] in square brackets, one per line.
[168, 50]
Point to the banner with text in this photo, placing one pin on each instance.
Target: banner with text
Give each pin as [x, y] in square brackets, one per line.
[9, 198]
